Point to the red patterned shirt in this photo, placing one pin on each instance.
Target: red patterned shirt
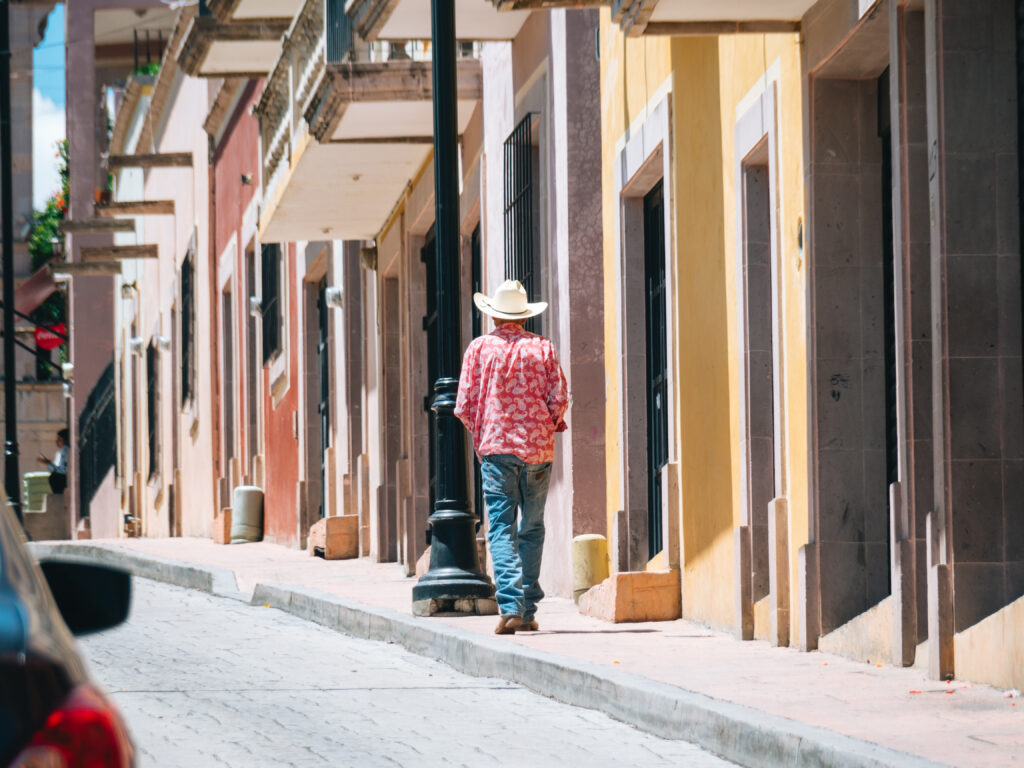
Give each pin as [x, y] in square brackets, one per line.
[512, 394]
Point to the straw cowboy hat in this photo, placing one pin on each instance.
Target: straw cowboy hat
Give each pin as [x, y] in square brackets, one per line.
[509, 302]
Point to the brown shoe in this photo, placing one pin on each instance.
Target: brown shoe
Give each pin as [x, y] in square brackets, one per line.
[508, 625]
[529, 626]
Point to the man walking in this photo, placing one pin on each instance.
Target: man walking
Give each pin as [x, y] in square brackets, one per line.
[512, 399]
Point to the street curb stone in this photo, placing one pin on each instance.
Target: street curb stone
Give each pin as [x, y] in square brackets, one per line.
[738, 733]
[216, 581]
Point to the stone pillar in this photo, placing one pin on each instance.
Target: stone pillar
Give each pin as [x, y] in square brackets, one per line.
[914, 493]
[91, 318]
[978, 410]
[579, 277]
[27, 25]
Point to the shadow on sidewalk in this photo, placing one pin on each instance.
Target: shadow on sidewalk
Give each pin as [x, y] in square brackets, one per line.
[588, 632]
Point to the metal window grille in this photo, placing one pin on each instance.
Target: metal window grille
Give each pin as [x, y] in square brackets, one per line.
[152, 407]
[520, 227]
[657, 360]
[187, 318]
[339, 31]
[97, 437]
[271, 302]
[324, 406]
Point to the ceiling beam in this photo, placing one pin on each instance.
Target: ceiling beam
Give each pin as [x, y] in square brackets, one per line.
[98, 225]
[156, 160]
[135, 208]
[101, 253]
[85, 269]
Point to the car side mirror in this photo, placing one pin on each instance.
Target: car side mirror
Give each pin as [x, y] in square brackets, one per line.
[90, 597]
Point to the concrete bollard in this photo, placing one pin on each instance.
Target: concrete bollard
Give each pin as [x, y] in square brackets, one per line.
[589, 562]
[246, 514]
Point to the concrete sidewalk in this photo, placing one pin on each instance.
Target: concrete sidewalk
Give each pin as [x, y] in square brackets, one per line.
[749, 702]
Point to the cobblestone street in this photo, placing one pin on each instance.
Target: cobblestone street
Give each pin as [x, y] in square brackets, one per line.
[207, 681]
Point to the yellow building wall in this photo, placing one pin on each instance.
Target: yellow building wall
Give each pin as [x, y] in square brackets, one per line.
[744, 60]
[705, 308]
[709, 79]
[632, 71]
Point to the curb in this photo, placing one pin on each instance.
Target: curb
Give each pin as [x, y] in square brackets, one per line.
[217, 581]
[738, 733]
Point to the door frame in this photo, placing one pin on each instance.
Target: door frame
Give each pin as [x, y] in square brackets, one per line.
[644, 160]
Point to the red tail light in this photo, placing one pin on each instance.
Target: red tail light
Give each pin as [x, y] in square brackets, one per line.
[85, 732]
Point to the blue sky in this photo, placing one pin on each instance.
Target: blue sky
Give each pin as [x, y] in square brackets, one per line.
[48, 125]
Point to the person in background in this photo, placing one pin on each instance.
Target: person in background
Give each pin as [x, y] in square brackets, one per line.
[59, 466]
[513, 398]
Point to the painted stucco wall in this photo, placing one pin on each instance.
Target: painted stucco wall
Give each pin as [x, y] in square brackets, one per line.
[179, 131]
[710, 82]
[237, 155]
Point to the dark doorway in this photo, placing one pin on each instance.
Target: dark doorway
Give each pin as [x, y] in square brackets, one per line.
[854, 346]
[252, 369]
[759, 357]
[323, 406]
[657, 360]
[228, 366]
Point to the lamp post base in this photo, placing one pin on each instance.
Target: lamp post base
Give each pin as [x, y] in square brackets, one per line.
[453, 591]
[462, 606]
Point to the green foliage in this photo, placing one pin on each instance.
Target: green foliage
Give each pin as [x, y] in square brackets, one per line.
[45, 229]
[153, 68]
[46, 223]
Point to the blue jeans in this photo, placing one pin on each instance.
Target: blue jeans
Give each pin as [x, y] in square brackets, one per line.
[509, 483]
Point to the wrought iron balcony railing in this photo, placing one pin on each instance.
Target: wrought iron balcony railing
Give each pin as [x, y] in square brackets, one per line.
[319, 32]
[319, 43]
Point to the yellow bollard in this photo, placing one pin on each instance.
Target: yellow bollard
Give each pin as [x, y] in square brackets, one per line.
[589, 562]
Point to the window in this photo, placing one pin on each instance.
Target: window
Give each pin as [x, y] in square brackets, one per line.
[270, 299]
[188, 320]
[522, 241]
[153, 407]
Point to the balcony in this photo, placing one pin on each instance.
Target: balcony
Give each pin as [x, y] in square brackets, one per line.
[345, 125]
[235, 38]
[699, 17]
[225, 11]
[659, 17]
[378, 20]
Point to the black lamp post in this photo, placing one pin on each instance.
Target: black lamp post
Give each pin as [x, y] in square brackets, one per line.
[454, 583]
[11, 474]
